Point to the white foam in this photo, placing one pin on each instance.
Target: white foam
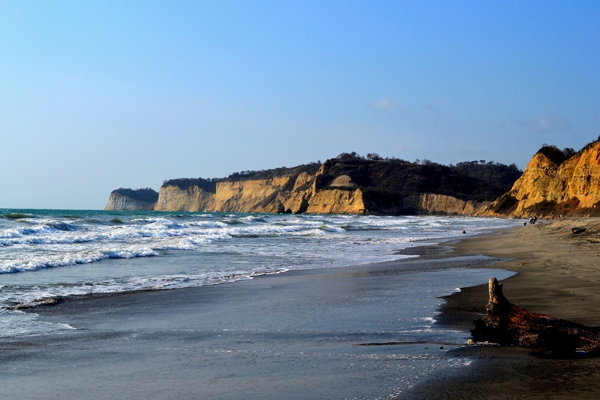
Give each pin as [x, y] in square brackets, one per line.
[17, 323]
[277, 241]
[43, 294]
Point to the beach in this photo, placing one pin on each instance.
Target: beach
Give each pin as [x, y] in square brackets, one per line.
[558, 275]
[213, 305]
[321, 333]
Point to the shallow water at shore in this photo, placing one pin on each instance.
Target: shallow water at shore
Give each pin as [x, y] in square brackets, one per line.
[362, 332]
[557, 276]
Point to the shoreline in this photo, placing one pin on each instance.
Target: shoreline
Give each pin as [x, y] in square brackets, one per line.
[306, 334]
[152, 344]
[555, 268]
[558, 273]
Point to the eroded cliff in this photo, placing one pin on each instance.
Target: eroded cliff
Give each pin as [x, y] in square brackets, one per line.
[132, 200]
[341, 186]
[555, 182]
[440, 204]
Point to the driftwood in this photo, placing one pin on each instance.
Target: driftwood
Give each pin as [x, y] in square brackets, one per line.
[508, 324]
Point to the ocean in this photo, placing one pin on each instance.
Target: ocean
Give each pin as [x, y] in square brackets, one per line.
[47, 255]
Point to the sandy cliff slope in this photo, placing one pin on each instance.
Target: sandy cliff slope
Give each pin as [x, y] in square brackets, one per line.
[552, 185]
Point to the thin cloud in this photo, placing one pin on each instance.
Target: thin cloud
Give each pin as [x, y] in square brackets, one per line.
[431, 109]
[383, 104]
[547, 124]
[415, 110]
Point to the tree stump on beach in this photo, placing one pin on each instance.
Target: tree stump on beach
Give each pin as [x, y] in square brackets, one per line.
[508, 324]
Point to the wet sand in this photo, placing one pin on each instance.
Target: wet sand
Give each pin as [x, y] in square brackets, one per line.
[559, 275]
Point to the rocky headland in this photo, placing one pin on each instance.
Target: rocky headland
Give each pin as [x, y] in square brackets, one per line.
[132, 200]
[348, 184]
[555, 183]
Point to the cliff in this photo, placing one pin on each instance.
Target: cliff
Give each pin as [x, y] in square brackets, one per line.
[344, 185]
[440, 204]
[132, 200]
[555, 182]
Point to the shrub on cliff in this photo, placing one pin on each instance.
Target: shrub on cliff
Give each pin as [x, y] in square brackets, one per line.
[390, 180]
[147, 195]
[208, 185]
[556, 155]
[492, 172]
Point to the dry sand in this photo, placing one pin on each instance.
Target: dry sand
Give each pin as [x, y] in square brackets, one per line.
[559, 275]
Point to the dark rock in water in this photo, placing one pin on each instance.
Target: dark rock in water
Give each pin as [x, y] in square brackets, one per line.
[576, 230]
[279, 207]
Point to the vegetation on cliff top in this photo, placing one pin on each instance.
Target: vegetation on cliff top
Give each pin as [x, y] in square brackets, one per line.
[310, 168]
[210, 184]
[556, 155]
[471, 180]
[559, 156]
[386, 182]
[146, 195]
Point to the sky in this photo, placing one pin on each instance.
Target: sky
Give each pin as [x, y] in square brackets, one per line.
[98, 95]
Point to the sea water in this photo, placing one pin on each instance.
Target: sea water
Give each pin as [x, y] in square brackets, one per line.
[49, 254]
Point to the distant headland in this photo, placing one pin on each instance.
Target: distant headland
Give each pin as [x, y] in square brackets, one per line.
[555, 183]
[346, 184]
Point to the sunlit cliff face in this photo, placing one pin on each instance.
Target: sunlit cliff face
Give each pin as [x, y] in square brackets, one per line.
[356, 186]
[550, 189]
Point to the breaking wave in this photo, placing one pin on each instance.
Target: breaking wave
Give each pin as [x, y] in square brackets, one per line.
[48, 254]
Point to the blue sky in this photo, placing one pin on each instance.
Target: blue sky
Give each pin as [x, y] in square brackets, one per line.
[97, 95]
